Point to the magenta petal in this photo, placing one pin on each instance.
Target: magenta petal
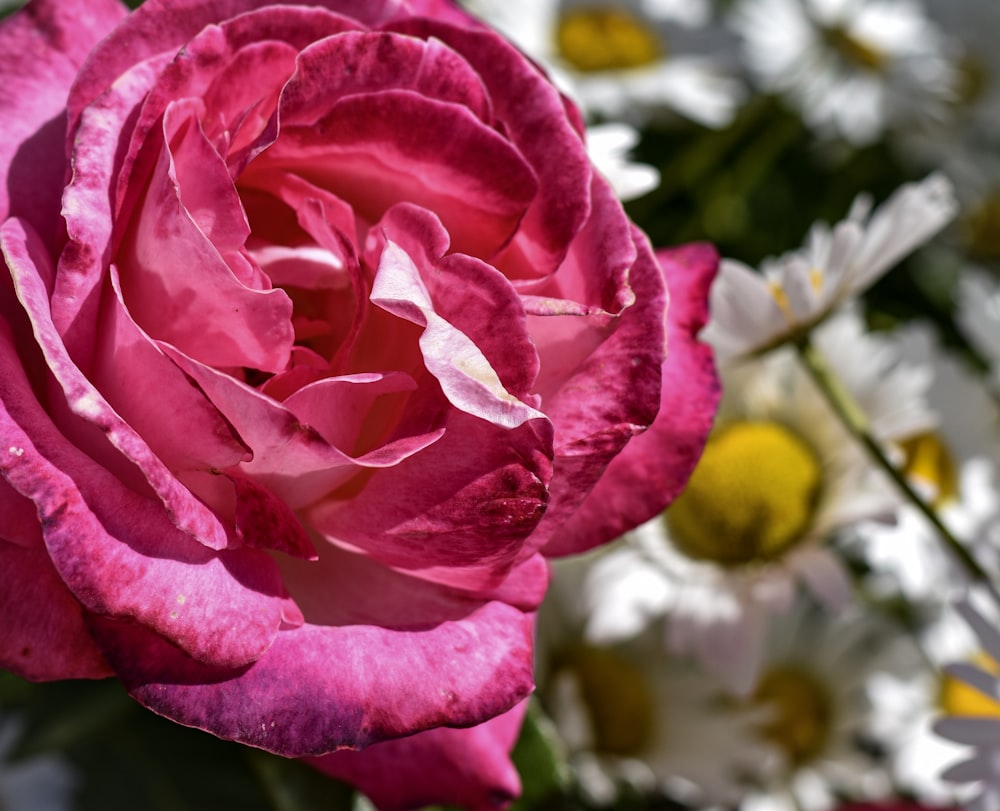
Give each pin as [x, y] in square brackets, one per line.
[43, 47]
[265, 522]
[457, 512]
[533, 115]
[653, 468]
[181, 272]
[43, 636]
[469, 768]
[30, 267]
[318, 689]
[444, 159]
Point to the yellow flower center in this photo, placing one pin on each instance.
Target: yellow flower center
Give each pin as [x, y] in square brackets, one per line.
[853, 50]
[958, 698]
[618, 700]
[802, 712]
[929, 461]
[751, 497]
[605, 38]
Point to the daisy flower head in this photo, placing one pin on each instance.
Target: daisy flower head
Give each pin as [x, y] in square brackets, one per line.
[815, 683]
[630, 715]
[778, 476]
[608, 146]
[976, 723]
[753, 312]
[906, 706]
[626, 59]
[953, 464]
[853, 67]
[979, 317]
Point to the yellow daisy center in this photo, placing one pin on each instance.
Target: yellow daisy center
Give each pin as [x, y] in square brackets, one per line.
[751, 497]
[618, 700]
[929, 461]
[853, 50]
[958, 698]
[605, 38]
[802, 712]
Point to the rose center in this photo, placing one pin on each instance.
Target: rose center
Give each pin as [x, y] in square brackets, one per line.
[618, 702]
[929, 461]
[595, 39]
[752, 496]
[955, 697]
[802, 712]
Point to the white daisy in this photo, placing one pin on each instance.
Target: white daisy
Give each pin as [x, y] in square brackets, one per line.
[632, 716]
[979, 317]
[953, 464]
[608, 146]
[778, 477]
[625, 59]
[816, 679]
[981, 728]
[853, 67]
[753, 312]
[906, 705]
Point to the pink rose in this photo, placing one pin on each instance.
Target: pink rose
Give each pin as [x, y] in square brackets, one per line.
[319, 333]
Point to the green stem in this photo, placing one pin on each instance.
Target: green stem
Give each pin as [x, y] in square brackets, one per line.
[856, 422]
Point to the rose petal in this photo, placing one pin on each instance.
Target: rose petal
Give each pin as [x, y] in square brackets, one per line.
[30, 267]
[445, 160]
[43, 45]
[469, 768]
[457, 512]
[43, 636]
[533, 115]
[318, 689]
[649, 473]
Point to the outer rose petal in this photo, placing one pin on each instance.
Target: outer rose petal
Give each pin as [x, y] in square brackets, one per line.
[43, 46]
[469, 768]
[653, 468]
[321, 688]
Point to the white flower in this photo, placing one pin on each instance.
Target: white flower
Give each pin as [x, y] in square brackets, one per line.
[979, 317]
[632, 715]
[953, 464]
[816, 676]
[608, 146]
[778, 477]
[625, 59]
[906, 705]
[980, 731]
[752, 312]
[853, 67]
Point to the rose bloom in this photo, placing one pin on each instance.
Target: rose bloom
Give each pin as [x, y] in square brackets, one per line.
[320, 333]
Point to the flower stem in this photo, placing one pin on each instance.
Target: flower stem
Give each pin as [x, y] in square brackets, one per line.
[856, 422]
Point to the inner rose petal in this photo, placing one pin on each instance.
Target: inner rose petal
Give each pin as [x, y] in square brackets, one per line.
[444, 159]
[182, 287]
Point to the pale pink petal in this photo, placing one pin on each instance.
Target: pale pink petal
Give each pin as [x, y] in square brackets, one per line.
[470, 768]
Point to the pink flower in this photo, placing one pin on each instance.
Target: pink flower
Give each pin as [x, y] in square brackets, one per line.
[319, 333]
